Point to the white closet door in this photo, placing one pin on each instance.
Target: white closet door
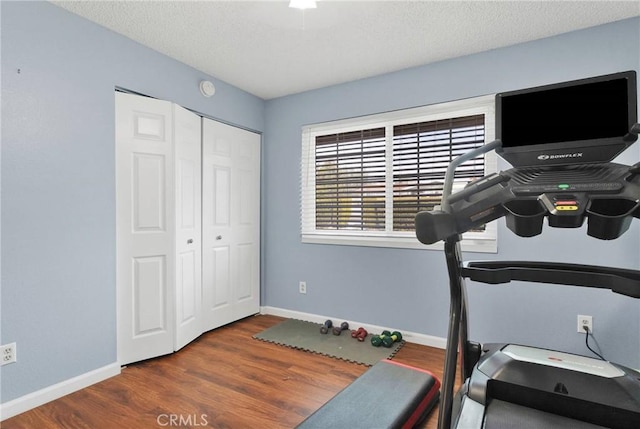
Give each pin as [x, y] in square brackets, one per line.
[188, 280]
[144, 231]
[231, 223]
[245, 209]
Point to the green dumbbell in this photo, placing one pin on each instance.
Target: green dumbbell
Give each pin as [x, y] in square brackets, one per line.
[377, 340]
[388, 341]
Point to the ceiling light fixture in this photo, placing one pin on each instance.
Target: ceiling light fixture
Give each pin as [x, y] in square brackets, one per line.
[303, 4]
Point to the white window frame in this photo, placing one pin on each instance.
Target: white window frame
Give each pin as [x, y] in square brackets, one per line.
[485, 241]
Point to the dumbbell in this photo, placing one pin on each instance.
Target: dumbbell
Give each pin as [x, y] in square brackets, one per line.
[376, 340]
[325, 328]
[388, 341]
[360, 334]
[337, 330]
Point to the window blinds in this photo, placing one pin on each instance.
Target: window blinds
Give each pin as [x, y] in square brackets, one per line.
[350, 172]
[350, 180]
[421, 154]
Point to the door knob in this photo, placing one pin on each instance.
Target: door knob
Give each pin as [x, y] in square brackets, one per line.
[218, 237]
[189, 241]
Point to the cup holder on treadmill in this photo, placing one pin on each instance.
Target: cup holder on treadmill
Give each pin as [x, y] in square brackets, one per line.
[609, 218]
[524, 217]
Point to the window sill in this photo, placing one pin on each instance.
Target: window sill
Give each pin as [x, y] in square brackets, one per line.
[481, 245]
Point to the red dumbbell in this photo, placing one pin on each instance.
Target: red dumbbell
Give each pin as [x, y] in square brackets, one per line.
[360, 334]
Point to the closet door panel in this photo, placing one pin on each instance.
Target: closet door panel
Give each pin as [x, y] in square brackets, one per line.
[149, 300]
[188, 296]
[221, 276]
[246, 212]
[231, 206]
[148, 199]
[144, 233]
[245, 262]
[187, 142]
[216, 286]
[216, 228]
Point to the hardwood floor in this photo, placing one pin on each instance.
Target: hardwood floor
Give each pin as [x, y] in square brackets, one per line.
[224, 379]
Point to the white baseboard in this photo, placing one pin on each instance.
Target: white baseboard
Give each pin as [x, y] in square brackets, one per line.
[48, 394]
[410, 337]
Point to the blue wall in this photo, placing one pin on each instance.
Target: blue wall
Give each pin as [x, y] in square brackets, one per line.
[58, 182]
[408, 289]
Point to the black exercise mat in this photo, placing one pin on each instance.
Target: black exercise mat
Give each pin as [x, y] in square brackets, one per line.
[306, 336]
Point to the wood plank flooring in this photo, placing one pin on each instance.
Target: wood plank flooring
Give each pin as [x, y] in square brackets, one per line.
[224, 379]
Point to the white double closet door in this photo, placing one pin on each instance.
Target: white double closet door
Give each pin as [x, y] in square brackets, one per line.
[187, 223]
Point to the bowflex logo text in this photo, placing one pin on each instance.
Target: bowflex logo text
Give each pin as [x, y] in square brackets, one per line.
[177, 420]
[560, 156]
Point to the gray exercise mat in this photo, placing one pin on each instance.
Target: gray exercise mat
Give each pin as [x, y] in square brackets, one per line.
[306, 336]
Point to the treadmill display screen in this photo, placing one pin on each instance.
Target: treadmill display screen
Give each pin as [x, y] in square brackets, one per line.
[573, 122]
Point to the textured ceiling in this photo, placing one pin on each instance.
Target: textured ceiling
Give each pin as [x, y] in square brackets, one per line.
[270, 50]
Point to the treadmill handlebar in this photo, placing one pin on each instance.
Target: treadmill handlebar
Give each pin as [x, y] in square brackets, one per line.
[451, 169]
[437, 225]
[440, 224]
[434, 226]
[633, 133]
[623, 281]
[478, 186]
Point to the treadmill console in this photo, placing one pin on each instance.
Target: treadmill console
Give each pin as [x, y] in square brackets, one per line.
[607, 195]
[581, 121]
[562, 167]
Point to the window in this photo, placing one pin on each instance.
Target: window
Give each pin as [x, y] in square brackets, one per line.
[364, 179]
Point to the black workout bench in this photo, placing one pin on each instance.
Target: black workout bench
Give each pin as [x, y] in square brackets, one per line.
[388, 395]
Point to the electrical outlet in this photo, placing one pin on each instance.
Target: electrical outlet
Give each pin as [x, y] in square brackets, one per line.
[8, 353]
[585, 321]
[303, 287]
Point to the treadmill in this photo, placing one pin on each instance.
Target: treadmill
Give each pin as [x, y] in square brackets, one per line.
[562, 171]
